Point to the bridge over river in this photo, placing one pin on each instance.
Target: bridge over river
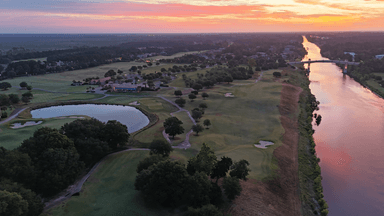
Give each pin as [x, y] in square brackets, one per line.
[309, 62]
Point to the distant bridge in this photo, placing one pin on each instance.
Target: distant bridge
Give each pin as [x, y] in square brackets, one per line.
[346, 63]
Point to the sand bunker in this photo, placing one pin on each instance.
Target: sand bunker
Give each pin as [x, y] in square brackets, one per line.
[30, 123]
[263, 144]
[134, 103]
[229, 95]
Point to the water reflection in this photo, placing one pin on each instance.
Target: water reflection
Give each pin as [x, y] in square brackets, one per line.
[133, 118]
[350, 140]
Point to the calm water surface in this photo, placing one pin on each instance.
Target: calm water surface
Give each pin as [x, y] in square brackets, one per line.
[133, 118]
[349, 140]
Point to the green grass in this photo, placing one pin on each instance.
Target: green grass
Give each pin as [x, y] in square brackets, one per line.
[240, 122]
[162, 109]
[179, 82]
[12, 138]
[36, 59]
[110, 190]
[173, 56]
[42, 96]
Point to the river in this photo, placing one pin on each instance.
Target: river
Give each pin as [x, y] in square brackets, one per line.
[349, 140]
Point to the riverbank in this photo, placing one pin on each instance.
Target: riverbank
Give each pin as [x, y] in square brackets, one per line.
[311, 189]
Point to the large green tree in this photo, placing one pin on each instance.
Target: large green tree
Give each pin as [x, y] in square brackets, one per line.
[55, 159]
[17, 166]
[164, 183]
[115, 134]
[160, 147]
[149, 161]
[232, 187]
[12, 204]
[197, 128]
[204, 161]
[173, 126]
[240, 169]
[35, 204]
[221, 168]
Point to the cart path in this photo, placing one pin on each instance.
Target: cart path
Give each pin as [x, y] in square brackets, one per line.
[76, 187]
[13, 116]
[185, 144]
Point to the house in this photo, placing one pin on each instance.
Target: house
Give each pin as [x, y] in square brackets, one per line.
[99, 81]
[125, 87]
[379, 56]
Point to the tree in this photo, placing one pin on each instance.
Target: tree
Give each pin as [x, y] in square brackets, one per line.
[119, 71]
[197, 128]
[240, 170]
[160, 147]
[277, 74]
[16, 166]
[25, 99]
[12, 204]
[23, 84]
[178, 93]
[205, 95]
[180, 102]
[197, 86]
[149, 161]
[221, 168]
[173, 126]
[203, 106]
[192, 96]
[318, 120]
[27, 94]
[110, 73]
[163, 70]
[4, 115]
[91, 149]
[115, 134]
[204, 161]
[35, 205]
[231, 187]
[55, 158]
[4, 100]
[164, 183]
[207, 123]
[228, 79]
[196, 114]
[195, 92]
[29, 88]
[207, 210]
[5, 85]
[157, 63]
[198, 189]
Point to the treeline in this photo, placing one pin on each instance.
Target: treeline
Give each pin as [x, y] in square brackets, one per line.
[365, 44]
[52, 159]
[218, 75]
[172, 184]
[311, 190]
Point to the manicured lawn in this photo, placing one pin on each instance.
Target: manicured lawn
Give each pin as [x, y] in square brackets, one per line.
[174, 55]
[110, 190]
[42, 96]
[240, 122]
[374, 84]
[162, 109]
[12, 138]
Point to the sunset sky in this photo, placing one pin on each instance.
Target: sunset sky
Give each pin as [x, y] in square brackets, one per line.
[189, 16]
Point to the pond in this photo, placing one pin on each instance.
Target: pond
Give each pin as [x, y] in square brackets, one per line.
[133, 118]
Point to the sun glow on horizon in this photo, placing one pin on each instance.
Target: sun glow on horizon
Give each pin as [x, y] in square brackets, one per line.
[125, 16]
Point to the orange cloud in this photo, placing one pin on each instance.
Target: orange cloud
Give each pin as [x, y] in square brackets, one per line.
[138, 17]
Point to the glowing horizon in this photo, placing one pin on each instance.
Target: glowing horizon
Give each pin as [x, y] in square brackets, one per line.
[185, 16]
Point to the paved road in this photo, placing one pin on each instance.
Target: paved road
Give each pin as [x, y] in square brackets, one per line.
[13, 116]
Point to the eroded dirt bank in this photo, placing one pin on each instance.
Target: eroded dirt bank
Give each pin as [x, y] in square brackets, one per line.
[279, 196]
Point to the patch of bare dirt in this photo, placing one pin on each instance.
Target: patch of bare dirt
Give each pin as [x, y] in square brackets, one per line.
[278, 197]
